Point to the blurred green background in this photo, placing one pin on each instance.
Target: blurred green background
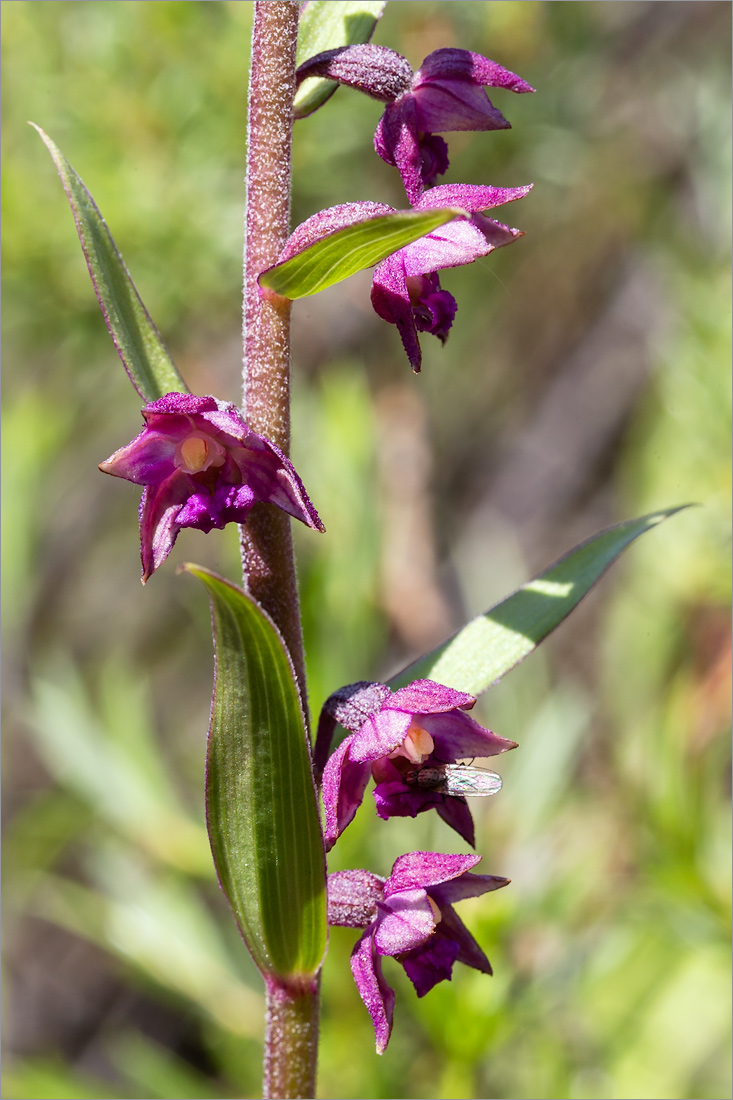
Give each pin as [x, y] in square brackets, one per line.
[586, 380]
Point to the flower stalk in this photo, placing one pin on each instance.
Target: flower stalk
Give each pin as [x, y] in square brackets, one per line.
[291, 1040]
[267, 550]
[268, 564]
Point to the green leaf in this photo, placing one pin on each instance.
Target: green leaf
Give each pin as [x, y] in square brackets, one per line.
[261, 804]
[136, 338]
[349, 250]
[326, 25]
[492, 644]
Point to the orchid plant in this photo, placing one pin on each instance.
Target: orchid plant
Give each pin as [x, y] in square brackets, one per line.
[204, 463]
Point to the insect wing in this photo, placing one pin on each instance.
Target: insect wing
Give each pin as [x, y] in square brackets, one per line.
[457, 780]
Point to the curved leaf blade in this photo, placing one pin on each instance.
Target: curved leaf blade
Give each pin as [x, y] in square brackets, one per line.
[138, 342]
[261, 808]
[326, 25]
[349, 250]
[489, 646]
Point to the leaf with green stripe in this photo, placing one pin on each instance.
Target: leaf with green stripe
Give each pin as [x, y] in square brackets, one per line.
[138, 342]
[326, 25]
[492, 644]
[261, 807]
[346, 251]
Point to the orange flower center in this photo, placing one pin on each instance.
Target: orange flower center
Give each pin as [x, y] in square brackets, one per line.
[417, 745]
[194, 453]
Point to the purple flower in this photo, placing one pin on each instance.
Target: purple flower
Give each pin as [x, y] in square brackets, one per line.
[406, 290]
[394, 736]
[446, 93]
[202, 467]
[411, 917]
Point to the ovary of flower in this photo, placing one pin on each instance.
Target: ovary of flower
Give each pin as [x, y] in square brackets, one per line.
[417, 745]
[197, 452]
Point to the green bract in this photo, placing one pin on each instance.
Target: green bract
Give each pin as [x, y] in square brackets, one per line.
[492, 644]
[260, 798]
[346, 251]
[138, 342]
[326, 25]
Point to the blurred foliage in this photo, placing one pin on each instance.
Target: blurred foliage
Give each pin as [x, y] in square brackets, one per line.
[585, 381]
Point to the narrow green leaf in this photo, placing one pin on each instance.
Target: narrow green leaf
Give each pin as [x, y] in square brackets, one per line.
[261, 807]
[492, 644]
[326, 25]
[136, 338]
[349, 250]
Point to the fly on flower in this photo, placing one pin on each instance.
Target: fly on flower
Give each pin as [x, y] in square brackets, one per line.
[457, 780]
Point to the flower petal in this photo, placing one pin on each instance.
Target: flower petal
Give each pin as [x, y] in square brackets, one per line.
[159, 528]
[423, 869]
[375, 70]
[344, 783]
[456, 814]
[405, 921]
[380, 735]
[457, 243]
[328, 221]
[469, 951]
[467, 886]
[454, 64]
[396, 142]
[472, 197]
[147, 460]
[272, 477]
[457, 736]
[445, 104]
[379, 998]
[429, 697]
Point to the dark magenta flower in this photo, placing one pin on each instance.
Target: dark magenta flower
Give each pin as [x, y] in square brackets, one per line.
[446, 93]
[396, 736]
[202, 467]
[410, 916]
[406, 290]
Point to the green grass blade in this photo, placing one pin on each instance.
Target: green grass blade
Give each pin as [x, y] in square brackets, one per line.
[492, 644]
[261, 802]
[326, 25]
[138, 342]
[349, 250]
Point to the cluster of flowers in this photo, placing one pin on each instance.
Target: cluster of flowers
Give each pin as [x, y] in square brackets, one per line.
[201, 466]
[409, 741]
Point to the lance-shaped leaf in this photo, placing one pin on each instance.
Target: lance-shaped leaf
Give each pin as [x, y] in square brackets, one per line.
[326, 25]
[261, 807]
[492, 644]
[138, 342]
[340, 254]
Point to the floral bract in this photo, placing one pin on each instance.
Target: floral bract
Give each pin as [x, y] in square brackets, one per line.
[202, 467]
[410, 916]
[446, 93]
[422, 725]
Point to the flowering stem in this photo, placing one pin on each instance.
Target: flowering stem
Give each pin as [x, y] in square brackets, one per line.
[291, 1040]
[267, 549]
[291, 1037]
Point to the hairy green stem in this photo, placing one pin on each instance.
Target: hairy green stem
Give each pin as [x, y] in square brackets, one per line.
[291, 1040]
[267, 549]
